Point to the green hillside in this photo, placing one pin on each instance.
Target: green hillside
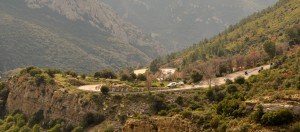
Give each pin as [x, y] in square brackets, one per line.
[45, 38]
[244, 38]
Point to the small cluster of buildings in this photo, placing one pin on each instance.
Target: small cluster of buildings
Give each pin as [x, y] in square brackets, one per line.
[163, 74]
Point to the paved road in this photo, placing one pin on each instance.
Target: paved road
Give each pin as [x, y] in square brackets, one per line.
[204, 84]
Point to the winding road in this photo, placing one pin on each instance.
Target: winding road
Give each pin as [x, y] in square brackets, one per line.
[204, 84]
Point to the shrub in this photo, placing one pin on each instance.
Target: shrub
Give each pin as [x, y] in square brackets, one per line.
[36, 118]
[298, 86]
[104, 90]
[163, 113]
[214, 122]
[186, 113]
[40, 79]
[231, 88]
[56, 128]
[282, 116]
[256, 116]
[105, 74]
[222, 127]
[36, 128]
[71, 73]
[196, 76]
[123, 118]
[25, 129]
[90, 119]
[83, 76]
[124, 77]
[34, 72]
[240, 80]
[157, 104]
[109, 129]
[230, 108]
[295, 127]
[78, 129]
[228, 81]
[52, 72]
[141, 77]
[179, 100]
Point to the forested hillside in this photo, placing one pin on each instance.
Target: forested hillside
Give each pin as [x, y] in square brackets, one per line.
[180, 23]
[67, 35]
[243, 43]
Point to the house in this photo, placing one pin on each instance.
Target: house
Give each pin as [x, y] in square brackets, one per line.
[140, 71]
[167, 72]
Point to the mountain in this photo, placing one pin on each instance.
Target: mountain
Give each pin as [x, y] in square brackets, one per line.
[180, 23]
[79, 35]
[244, 40]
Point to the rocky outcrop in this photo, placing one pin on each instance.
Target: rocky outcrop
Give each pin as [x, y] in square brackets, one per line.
[54, 102]
[159, 124]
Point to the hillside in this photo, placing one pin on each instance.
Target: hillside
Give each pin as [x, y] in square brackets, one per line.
[68, 35]
[179, 24]
[243, 40]
[43, 99]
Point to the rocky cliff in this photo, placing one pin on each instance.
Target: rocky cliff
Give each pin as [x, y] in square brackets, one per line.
[54, 102]
[159, 124]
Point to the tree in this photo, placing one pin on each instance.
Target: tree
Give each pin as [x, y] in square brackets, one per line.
[105, 74]
[240, 80]
[104, 90]
[154, 66]
[141, 77]
[196, 76]
[270, 48]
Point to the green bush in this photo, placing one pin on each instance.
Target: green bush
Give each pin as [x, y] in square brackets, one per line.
[157, 104]
[105, 74]
[71, 73]
[40, 79]
[25, 129]
[228, 81]
[230, 108]
[163, 113]
[92, 119]
[295, 127]
[52, 72]
[56, 128]
[104, 90]
[36, 128]
[179, 100]
[123, 118]
[34, 72]
[232, 88]
[196, 77]
[78, 129]
[256, 116]
[282, 116]
[214, 122]
[298, 86]
[141, 77]
[36, 118]
[109, 129]
[186, 113]
[240, 80]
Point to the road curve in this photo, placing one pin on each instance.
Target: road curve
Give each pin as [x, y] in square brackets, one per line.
[204, 84]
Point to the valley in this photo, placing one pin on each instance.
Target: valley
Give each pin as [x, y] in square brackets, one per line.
[76, 66]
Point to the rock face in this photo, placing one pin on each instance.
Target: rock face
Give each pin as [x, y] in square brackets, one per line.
[55, 103]
[159, 124]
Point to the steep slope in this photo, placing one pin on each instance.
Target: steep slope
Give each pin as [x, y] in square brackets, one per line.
[180, 23]
[80, 35]
[244, 38]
